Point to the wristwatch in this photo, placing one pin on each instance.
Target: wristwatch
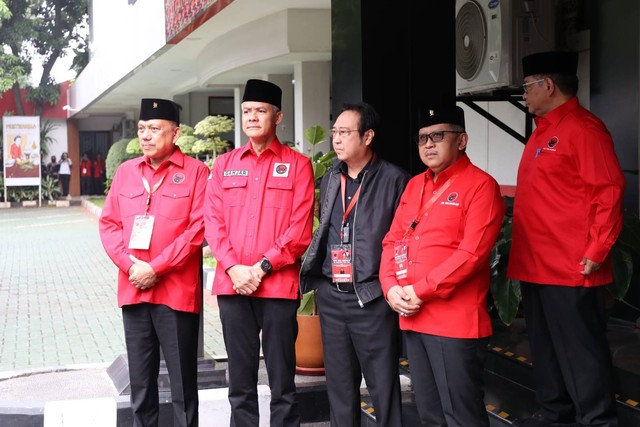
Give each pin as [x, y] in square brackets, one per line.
[266, 266]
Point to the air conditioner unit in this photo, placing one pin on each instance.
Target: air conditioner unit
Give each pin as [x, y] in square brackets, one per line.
[492, 36]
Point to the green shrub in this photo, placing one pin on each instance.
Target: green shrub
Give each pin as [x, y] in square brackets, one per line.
[116, 156]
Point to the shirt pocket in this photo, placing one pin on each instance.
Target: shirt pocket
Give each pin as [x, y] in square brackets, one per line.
[131, 202]
[175, 203]
[279, 193]
[234, 189]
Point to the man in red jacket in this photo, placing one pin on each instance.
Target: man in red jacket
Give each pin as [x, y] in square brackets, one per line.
[567, 216]
[258, 222]
[152, 229]
[435, 271]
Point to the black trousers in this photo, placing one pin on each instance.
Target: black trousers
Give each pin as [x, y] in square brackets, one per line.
[243, 320]
[149, 328]
[64, 183]
[571, 355]
[446, 375]
[359, 341]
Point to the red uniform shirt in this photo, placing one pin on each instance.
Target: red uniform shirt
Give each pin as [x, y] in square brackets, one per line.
[260, 206]
[98, 168]
[85, 168]
[568, 202]
[176, 243]
[448, 253]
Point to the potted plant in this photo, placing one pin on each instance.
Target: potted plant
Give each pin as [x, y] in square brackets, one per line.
[505, 292]
[309, 359]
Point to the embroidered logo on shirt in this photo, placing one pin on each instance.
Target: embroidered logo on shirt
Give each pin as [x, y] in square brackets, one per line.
[178, 177]
[551, 145]
[281, 170]
[451, 199]
[240, 172]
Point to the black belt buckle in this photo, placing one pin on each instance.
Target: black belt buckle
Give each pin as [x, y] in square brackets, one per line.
[347, 287]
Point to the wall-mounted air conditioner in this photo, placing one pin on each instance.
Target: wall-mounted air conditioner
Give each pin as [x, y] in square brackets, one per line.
[492, 36]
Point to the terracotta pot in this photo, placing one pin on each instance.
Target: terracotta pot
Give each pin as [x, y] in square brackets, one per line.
[309, 359]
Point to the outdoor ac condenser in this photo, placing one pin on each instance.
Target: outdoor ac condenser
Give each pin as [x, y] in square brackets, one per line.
[492, 36]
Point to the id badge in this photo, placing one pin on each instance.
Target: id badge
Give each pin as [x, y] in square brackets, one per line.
[400, 258]
[341, 266]
[141, 232]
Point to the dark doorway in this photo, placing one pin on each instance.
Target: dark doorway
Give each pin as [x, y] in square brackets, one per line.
[93, 143]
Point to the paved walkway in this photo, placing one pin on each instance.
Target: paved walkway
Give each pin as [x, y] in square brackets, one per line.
[58, 293]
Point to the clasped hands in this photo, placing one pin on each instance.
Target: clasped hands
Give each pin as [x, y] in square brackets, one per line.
[141, 275]
[246, 278]
[403, 300]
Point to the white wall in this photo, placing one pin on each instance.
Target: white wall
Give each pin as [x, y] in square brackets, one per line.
[124, 35]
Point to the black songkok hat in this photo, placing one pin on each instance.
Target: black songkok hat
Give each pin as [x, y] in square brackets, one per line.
[565, 63]
[263, 91]
[447, 113]
[151, 108]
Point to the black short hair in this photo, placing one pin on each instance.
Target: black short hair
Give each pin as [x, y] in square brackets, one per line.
[369, 117]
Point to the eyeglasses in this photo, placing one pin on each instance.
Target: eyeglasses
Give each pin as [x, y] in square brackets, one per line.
[342, 132]
[525, 87]
[436, 136]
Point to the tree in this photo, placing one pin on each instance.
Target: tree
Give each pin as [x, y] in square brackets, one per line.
[47, 28]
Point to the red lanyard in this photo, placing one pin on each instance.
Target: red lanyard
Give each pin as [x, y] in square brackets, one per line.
[354, 199]
[426, 206]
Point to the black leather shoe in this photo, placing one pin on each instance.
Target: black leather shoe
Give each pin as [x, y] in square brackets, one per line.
[539, 420]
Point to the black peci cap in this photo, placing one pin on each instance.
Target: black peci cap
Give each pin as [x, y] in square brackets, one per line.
[263, 91]
[447, 113]
[152, 108]
[565, 63]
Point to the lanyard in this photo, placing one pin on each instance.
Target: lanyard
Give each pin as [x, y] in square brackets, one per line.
[344, 230]
[426, 206]
[150, 191]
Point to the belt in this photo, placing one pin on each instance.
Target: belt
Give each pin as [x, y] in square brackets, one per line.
[343, 287]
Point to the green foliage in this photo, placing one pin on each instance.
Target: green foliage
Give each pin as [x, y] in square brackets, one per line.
[321, 164]
[20, 194]
[46, 128]
[208, 131]
[505, 292]
[116, 155]
[50, 188]
[133, 147]
[47, 29]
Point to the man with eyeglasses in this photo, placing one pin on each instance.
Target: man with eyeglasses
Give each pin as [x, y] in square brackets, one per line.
[435, 271]
[567, 216]
[360, 333]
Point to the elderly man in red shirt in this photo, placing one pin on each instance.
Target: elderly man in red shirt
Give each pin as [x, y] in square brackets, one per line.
[435, 271]
[258, 222]
[152, 229]
[567, 216]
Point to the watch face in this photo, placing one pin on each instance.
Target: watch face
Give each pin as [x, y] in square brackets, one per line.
[266, 265]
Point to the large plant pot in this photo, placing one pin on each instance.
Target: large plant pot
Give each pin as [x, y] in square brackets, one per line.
[309, 359]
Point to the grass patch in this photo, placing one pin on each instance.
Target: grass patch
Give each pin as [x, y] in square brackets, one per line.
[98, 201]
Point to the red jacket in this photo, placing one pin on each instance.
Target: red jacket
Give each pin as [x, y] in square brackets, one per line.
[260, 206]
[175, 252]
[568, 201]
[448, 253]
